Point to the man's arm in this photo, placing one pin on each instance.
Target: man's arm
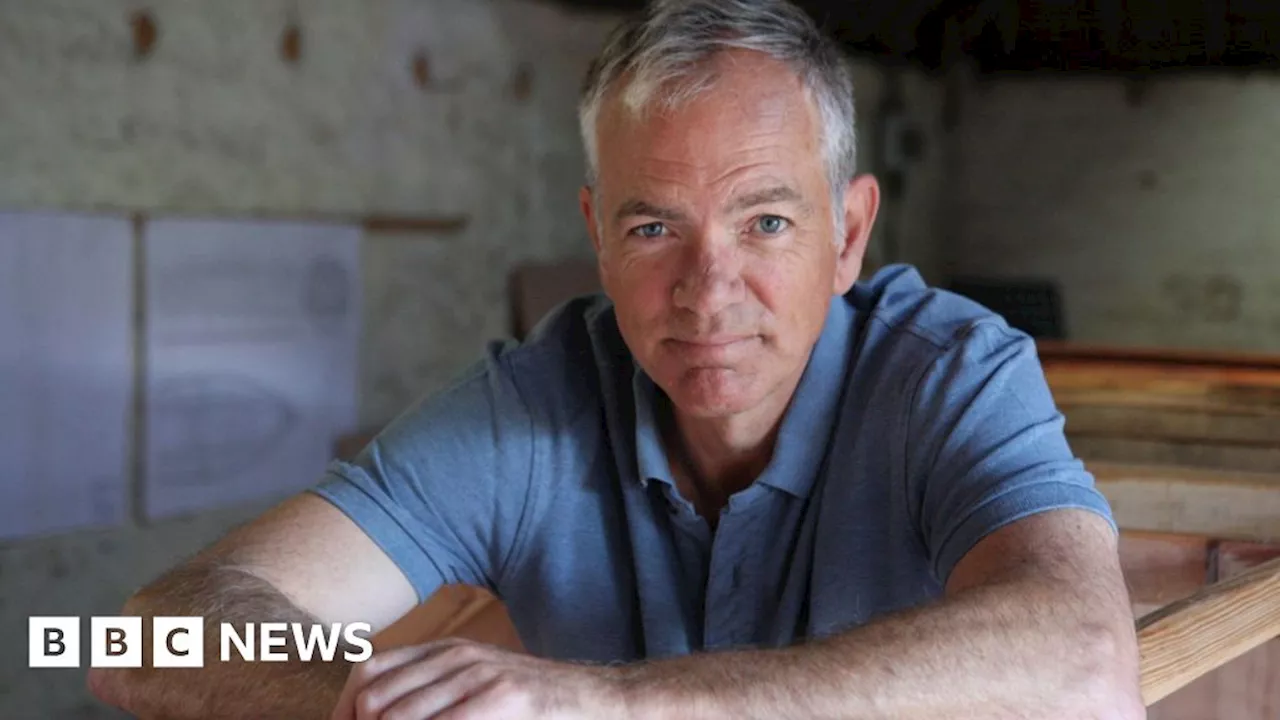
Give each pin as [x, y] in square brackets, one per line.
[438, 497]
[303, 561]
[1036, 624]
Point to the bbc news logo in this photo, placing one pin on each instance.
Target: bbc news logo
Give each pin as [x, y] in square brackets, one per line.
[178, 642]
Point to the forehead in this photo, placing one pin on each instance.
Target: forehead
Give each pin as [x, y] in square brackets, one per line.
[753, 117]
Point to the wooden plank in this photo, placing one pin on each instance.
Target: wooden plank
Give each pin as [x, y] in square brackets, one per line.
[1249, 686]
[1222, 622]
[372, 223]
[1160, 569]
[408, 224]
[1228, 505]
[1060, 352]
[453, 611]
[1172, 396]
[1164, 384]
[1230, 426]
[1206, 456]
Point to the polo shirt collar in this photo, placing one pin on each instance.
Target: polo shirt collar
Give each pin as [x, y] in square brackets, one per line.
[805, 432]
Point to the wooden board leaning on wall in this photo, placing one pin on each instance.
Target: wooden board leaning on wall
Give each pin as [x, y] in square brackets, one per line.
[1179, 441]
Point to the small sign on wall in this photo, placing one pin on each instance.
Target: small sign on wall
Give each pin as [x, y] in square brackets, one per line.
[66, 371]
[252, 337]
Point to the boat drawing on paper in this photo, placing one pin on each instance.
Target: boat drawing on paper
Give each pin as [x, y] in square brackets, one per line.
[204, 428]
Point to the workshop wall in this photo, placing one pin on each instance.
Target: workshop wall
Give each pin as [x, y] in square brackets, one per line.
[1152, 204]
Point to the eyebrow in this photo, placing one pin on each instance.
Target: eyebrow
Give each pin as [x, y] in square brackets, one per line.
[778, 193]
[632, 208]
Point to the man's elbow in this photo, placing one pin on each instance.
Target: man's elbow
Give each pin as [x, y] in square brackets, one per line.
[108, 685]
[1119, 701]
[1107, 679]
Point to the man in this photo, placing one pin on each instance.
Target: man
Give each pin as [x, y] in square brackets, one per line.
[740, 486]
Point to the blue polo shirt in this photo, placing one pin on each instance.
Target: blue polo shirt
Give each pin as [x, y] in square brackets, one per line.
[921, 424]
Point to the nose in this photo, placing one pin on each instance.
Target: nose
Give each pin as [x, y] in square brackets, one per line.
[711, 276]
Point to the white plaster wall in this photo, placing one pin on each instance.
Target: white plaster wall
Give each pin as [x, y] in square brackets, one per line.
[1155, 210]
[915, 216]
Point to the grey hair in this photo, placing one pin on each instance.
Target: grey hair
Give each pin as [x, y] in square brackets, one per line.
[662, 49]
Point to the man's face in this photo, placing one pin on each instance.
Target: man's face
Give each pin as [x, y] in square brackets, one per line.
[716, 236]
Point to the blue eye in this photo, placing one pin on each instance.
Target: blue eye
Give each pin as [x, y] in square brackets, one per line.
[650, 230]
[771, 224]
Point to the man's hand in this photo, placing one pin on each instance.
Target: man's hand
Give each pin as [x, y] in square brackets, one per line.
[453, 678]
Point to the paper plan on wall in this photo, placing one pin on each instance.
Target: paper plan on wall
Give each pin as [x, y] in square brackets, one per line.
[66, 378]
[252, 343]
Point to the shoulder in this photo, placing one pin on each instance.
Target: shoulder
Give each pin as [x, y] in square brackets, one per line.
[559, 366]
[545, 384]
[548, 378]
[920, 344]
[906, 310]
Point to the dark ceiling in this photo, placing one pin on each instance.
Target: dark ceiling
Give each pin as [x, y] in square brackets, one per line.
[1074, 35]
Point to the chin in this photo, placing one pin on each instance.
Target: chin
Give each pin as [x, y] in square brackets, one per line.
[713, 393]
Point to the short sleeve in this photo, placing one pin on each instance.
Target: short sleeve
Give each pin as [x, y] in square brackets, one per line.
[443, 489]
[986, 445]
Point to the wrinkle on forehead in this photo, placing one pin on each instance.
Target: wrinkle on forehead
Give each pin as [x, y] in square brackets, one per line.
[756, 128]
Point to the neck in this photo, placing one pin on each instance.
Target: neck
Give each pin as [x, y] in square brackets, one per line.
[713, 458]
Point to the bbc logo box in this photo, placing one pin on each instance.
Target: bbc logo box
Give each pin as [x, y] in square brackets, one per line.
[115, 642]
[54, 642]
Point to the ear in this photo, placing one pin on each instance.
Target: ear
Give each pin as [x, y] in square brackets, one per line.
[586, 203]
[861, 203]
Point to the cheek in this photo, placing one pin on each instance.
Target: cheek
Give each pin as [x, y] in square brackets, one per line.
[639, 287]
[794, 291]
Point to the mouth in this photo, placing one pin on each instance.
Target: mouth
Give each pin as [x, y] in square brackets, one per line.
[712, 351]
[711, 342]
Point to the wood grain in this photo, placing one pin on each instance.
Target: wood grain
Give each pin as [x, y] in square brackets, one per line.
[1194, 501]
[1213, 411]
[1191, 637]
[1186, 454]
[1234, 426]
[1246, 688]
[1249, 686]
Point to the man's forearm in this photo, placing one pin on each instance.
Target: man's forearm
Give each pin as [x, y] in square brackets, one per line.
[233, 689]
[1014, 650]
